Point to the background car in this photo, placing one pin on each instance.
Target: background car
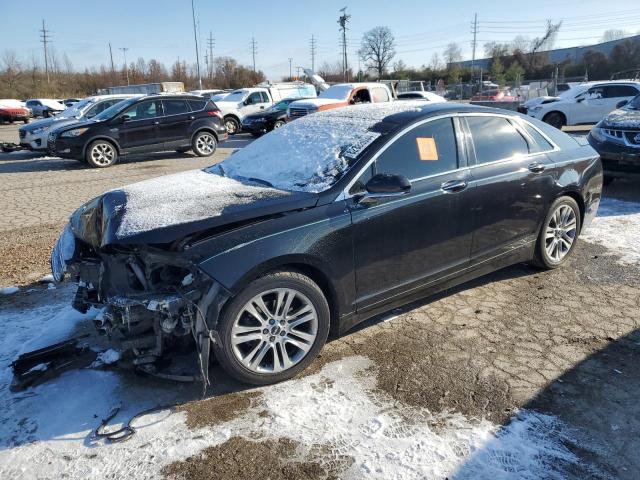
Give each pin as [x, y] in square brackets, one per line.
[341, 95]
[35, 135]
[617, 139]
[12, 110]
[498, 95]
[587, 107]
[285, 241]
[68, 102]
[44, 107]
[421, 95]
[152, 123]
[270, 119]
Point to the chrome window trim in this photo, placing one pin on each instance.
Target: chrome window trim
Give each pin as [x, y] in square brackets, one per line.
[344, 195]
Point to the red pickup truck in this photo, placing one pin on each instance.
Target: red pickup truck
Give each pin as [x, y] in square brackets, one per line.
[12, 110]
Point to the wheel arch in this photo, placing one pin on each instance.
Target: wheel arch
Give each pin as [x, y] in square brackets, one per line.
[100, 137]
[559, 112]
[204, 128]
[301, 264]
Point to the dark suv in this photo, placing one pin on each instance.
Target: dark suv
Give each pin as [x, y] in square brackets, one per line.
[152, 123]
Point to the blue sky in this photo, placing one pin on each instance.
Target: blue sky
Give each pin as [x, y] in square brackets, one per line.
[282, 29]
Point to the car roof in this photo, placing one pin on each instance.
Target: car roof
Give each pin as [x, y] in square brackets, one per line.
[167, 96]
[429, 109]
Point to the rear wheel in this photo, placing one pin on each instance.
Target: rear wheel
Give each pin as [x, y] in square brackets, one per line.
[278, 124]
[559, 234]
[555, 119]
[204, 143]
[101, 154]
[273, 329]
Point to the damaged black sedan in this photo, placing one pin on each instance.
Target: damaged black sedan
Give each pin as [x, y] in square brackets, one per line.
[321, 224]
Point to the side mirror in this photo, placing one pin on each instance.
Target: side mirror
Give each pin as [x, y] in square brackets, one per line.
[621, 103]
[385, 185]
[581, 99]
[125, 118]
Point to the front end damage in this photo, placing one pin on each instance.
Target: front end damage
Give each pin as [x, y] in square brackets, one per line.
[154, 302]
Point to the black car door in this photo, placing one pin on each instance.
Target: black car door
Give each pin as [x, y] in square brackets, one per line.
[174, 125]
[403, 243]
[511, 181]
[139, 130]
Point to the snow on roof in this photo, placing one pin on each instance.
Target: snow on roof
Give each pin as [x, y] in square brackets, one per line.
[310, 153]
[182, 198]
[10, 103]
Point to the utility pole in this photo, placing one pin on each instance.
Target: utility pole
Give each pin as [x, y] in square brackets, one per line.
[290, 71]
[254, 48]
[474, 43]
[195, 37]
[342, 21]
[313, 53]
[126, 67]
[113, 70]
[45, 38]
[298, 72]
[210, 44]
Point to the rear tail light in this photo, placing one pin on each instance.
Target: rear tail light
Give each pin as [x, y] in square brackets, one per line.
[215, 113]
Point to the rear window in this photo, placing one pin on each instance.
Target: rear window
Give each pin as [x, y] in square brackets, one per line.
[175, 107]
[540, 144]
[197, 104]
[495, 138]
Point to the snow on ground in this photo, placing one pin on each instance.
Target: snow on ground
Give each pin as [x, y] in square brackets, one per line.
[617, 227]
[9, 290]
[45, 431]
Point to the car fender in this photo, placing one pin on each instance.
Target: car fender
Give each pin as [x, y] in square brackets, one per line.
[100, 137]
[202, 124]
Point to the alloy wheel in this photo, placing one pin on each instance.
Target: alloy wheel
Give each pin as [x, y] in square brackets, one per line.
[103, 154]
[560, 233]
[274, 330]
[206, 144]
[231, 127]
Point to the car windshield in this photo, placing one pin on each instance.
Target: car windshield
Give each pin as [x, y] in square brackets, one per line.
[76, 109]
[113, 110]
[236, 96]
[337, 92]
[634, 103]
[312, 153]
[281, 105]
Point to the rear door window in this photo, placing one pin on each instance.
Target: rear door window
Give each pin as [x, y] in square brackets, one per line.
[428, 149]
[617, 91]
[539, 144]
[495, 138]
[175, 107]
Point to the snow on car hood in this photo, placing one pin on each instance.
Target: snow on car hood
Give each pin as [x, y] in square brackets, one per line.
[622, 118]
[540, 100]
[167, 208]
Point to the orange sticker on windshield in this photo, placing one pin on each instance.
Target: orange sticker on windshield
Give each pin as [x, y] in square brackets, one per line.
[427, 148]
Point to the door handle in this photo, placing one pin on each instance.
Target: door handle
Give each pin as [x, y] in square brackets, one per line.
[454, 186]
[536, 167]
[156, 123]
[192, 117]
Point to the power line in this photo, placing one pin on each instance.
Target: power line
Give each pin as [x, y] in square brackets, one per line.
[342, 21]
[313, 53]
[126, 67]
[45, 39]
[254, 49]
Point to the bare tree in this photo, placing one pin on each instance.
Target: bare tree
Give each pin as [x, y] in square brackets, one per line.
[452, 54]
[520, 43]
[435, 63]
[377, 49]
[546, 41]
[613, 34]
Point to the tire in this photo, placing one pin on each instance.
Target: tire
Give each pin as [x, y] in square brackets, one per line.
[101, 154]
[232, 125]
[25, 121]
[46, 114]
[558, 234]
[204, 143]
[278, 124]
[555, 119]
[253, 361]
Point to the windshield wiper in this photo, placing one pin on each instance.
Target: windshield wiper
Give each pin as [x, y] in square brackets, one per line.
[259, 180]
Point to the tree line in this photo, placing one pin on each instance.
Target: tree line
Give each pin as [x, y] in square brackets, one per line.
[22, 79]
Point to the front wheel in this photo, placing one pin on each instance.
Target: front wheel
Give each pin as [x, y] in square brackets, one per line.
[204, 144]
[232, 125]
[559, 234]
[278, 124]
[101, 154]
[555, 119]
[273, 329]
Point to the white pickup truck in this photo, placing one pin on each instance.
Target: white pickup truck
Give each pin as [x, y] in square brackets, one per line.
[247, 101]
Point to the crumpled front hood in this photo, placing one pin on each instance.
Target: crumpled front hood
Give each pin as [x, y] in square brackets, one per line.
[540, 100]
[168, 208]
[622, 118]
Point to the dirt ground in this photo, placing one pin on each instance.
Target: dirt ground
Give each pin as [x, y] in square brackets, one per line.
[564, 342]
